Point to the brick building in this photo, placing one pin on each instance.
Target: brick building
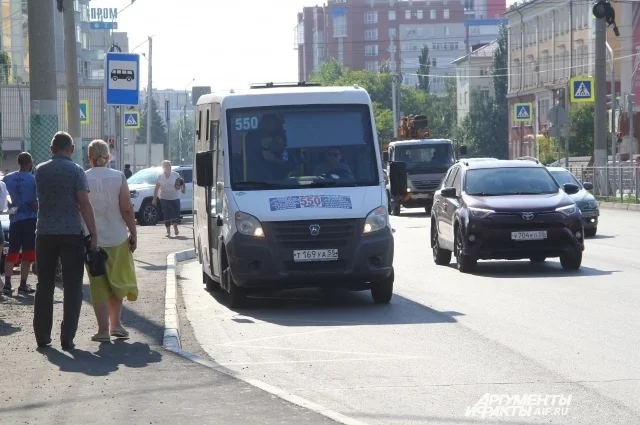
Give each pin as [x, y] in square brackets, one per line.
[365, 34]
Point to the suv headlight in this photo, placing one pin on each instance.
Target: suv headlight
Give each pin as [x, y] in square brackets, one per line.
[480, 212]
[134, 193]
[376, 220]
[568, 209]
[249, 225]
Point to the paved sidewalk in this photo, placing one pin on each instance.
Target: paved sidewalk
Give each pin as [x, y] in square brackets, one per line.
[129, 382]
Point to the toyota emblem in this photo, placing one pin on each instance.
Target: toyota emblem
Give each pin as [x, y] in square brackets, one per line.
[314, 229]
[528, 216]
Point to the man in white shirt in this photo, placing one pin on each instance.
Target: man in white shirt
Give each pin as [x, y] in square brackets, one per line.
[3, 208]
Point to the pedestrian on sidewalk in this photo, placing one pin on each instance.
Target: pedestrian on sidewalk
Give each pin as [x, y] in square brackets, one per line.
[168, 188]
[23, 215]
[127, 170]
[3, 206]
[116, 226]
[63, 204]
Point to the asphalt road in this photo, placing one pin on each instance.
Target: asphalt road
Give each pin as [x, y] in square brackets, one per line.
[448, 339]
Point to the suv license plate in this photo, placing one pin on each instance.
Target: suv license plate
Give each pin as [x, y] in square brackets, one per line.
[529, 236]
[303, 255]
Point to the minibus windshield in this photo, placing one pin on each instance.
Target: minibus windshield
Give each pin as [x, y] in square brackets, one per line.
[302, 146]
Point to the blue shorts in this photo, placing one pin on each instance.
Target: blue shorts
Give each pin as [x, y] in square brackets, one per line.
[22, 237]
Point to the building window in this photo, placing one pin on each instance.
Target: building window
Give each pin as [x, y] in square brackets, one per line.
[446, 31]
[371, 34]
[340, 26]
[371, 17]
[407, 14]
[420, 14]
[371, 66]
[392, 15]
[433, 62]
[371, 50]
[78, 34]
[392, 33]
[446, 14]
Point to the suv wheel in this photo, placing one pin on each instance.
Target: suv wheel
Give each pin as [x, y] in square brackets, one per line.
[571, 261]
[148, 215]
[441, 257]
[466, 264]
[590, 232]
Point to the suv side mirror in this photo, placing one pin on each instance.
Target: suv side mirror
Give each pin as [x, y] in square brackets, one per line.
[204, 169]
[385, 156]
[571, 189]
[398, 178]
[587, 186]
[449, 192]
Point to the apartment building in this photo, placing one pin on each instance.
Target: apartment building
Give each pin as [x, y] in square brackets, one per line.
[550, 41]
[473, 72]
[365, 34]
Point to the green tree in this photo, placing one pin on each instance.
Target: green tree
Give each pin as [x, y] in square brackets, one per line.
[182, 141]
[582, 122]
[476, 129]
[5, 67]
[158, 127]
[500, 71]
[443, 111]
[423, 69]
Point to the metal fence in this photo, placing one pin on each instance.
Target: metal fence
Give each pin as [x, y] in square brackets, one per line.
[619, 183]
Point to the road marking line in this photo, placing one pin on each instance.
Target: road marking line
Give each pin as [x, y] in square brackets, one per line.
[260, 347]
[172, 343]
[230, 344]
[367, 359]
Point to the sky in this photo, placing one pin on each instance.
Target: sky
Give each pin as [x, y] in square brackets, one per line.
[219, 44]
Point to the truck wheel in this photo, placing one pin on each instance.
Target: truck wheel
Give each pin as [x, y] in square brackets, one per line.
[212, 285]
[382, 291]
[236, 296]
[396, 208]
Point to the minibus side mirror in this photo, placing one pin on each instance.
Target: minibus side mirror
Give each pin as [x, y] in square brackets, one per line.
[398, 178]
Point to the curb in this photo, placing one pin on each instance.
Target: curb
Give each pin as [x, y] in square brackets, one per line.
[171, 342]
[619, 206]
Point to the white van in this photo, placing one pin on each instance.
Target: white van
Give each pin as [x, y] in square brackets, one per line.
[289, 192]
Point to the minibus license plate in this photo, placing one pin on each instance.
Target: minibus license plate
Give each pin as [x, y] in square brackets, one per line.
[303, 255]
[529, 236]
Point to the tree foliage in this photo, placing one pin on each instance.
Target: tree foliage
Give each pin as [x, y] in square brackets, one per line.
[581, 119]
[423, 69]
[182, 141]
[441, 111]
[5, 67]
[158, 127]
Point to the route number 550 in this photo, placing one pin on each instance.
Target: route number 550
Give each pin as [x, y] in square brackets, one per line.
[246, 123]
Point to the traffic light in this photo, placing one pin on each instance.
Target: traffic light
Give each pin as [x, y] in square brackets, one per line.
[619, 137]
[602, 9]
[112, 143]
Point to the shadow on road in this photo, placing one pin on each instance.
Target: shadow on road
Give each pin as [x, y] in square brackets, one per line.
[596, 237]
[7, 329]
[312, 307]
[108, 358]
[526, 269]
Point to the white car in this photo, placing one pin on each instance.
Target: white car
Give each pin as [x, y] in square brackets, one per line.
[142, 185]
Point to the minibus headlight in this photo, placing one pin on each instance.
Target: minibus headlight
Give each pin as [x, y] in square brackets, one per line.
[376, 220]
[249, 225]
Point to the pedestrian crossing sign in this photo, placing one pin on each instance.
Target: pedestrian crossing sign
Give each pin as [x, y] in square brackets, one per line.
[582, 89]
[131, 120]
[522, 112]
[85, 112]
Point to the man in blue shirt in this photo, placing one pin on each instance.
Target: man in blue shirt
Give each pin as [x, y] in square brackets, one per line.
[23, 215]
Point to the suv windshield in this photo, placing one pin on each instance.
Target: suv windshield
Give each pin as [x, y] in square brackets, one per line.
[147, 176]
[421, 158]
[509, 181]
[302, 146]
[564, 177]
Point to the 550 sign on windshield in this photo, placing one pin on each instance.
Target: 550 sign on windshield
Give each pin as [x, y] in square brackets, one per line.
[247, 123]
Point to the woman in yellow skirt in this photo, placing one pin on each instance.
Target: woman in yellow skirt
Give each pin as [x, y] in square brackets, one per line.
[116, 225]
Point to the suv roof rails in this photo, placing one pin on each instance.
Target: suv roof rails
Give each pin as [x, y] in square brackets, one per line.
[276, 85]
[528, 158]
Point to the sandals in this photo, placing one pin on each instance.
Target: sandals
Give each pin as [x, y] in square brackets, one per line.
[101, 337]
[120, 333]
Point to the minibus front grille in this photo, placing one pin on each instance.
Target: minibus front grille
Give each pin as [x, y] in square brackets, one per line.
[312, 234]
